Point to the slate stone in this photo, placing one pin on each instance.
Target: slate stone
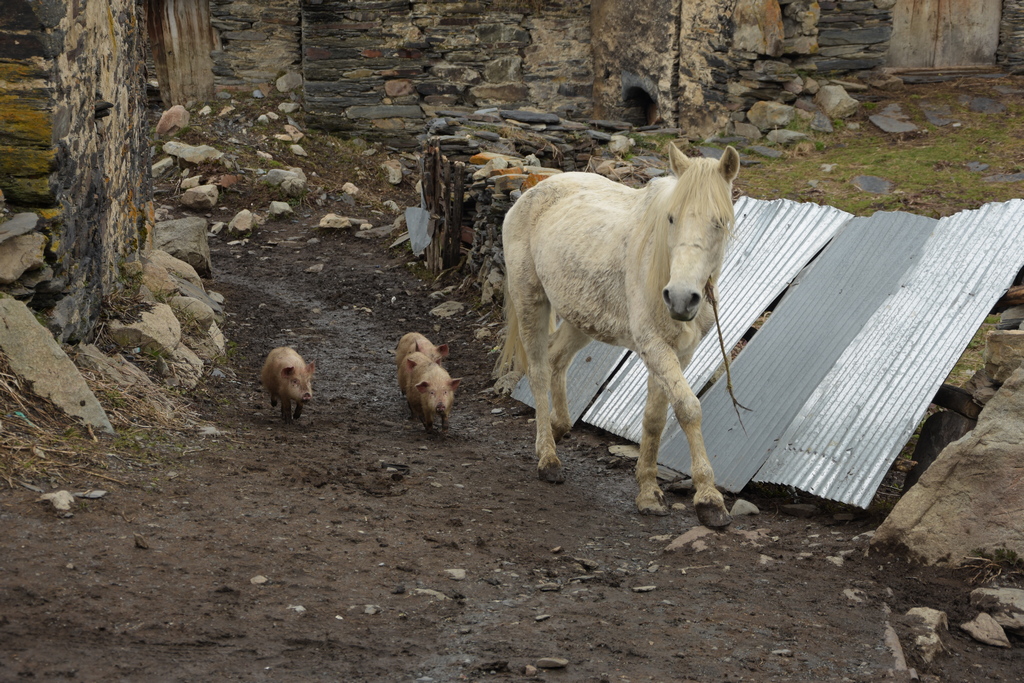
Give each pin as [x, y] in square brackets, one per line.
[821, 123]
[20, 224]
[873, 184]
[1008, 90]
[600, 136]
[611, 125]
[710, 152]
[977, 166]
[765, 151]
[891, 125]
[529, 116]
[1004, 178]
[936, 114]
[986, 105]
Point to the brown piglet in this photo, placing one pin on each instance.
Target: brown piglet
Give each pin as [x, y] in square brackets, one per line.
[287, 378]
[429, 390]
[414, 342]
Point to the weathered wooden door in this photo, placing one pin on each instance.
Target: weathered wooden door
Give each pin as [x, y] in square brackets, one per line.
[181, 37]
[944, 33]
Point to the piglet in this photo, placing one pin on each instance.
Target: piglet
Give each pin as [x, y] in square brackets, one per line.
[414, 342]
[287, 378]
[429, 390]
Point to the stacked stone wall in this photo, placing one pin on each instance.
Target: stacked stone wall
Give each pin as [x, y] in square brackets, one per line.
[378, 68]
[74, 153]
[1010, 53]
[259, 41]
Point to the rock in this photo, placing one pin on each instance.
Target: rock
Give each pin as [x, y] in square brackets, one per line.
[350, 189]
[201, 198]
[694, 536]
[315, 268]
[18, 224]
[290, 81]
[977, 166]
[393, 170]
[891, 125]
[185, 239]
[289, 107]
[800, 509]
[297, 150]
[643, 589]
[258, 580]
[628, 451]
[292, 180]
[157, 332]
[936, 114]
[872, 184]
[836, 102]
[1004, 353]
[529, 116]
[620, 144]
[984, 629]
[552, 663]
[767, 115]
[172, 120]
[193, 311]
[333, 220]
[821, 123]
[766, 151]
[456, 574]
[190, 154]
[278, 209]
[447, 309]
[927, 624]
[1006, 605]
[34, 355]
[21, 254]
[61, 500]
[189, 183]
[747, 130]
[173, 266]
[742, 507]
[782, 136]
[986, 105]
[959, 504]
[242, 223]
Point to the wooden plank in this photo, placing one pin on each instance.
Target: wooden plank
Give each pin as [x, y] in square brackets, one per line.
[181, 37]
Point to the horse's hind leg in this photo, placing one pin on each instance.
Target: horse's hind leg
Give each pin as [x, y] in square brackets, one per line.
[707, 500]
[534, 320]
[565, 344]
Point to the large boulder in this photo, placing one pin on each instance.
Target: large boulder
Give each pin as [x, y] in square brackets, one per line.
[970, 498]
[767, 115]
[35, 356]
[185, 239]
[21, 254]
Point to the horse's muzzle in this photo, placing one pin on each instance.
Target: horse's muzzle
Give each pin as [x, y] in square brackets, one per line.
[683, 304]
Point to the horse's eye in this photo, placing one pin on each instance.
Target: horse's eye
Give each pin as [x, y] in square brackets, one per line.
[671, 220]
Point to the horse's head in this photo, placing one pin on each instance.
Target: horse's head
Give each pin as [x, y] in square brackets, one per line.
[697, 220]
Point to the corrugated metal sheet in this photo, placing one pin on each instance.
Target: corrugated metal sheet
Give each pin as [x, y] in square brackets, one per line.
[586, 374]
[800, 343]
[848, 432]
[773, 241]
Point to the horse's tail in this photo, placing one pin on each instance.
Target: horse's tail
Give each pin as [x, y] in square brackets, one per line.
[513, 354]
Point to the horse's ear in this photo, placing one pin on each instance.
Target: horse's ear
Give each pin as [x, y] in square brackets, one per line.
[729, 166]
[677, 161]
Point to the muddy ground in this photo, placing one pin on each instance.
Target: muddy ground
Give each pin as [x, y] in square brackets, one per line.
[293, 553]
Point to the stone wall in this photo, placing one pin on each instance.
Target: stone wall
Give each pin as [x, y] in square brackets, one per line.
[259, 41]
[74, 153]
[378, 68]
[1010, 53]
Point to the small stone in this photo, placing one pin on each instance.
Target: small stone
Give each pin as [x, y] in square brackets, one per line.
[678, 506]
[552, 663]
[549, 587]
[371, 609]
[985, 629]
[529, 670]
[258, 580]
[333, 220]
[200, 198]
[783, 653]
[742, 507]
[349, 188]
[873, 184]
[298, 151]
[288, 107]
[278, 209]
[542, 617]
[456, 574]
[855, 595]
[299, 609]
[140, 541]
[447, 309]
[835, 559]
[61, 500]
[628, 451]
[643, 589]
[315, 268]
[393, 171]
[172, 120]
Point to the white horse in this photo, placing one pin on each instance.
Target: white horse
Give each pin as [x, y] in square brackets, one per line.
[627, 267]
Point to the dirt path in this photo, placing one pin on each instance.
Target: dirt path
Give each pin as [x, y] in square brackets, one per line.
[363, 566]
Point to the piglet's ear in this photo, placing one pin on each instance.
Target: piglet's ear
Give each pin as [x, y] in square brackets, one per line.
[454, 384]
[288, 371]
[311, 368]
[443, 350]
[410, 363]
[423, 386]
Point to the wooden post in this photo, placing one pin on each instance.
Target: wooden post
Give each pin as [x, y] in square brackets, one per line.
[442, 191]
[181, 37]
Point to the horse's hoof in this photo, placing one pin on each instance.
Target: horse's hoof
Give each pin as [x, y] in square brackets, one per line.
[557, 433]
[655, 509]
[712, 516]
[552, 475]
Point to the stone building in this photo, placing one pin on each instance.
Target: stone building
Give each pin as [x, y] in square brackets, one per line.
[74, 154]
[378, 68]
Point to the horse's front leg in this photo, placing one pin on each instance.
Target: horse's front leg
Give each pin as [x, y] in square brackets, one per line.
[651, 500]
[707, 500]
[565, 344]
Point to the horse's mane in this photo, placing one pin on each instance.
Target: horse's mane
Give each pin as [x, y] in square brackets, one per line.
[700, 187]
